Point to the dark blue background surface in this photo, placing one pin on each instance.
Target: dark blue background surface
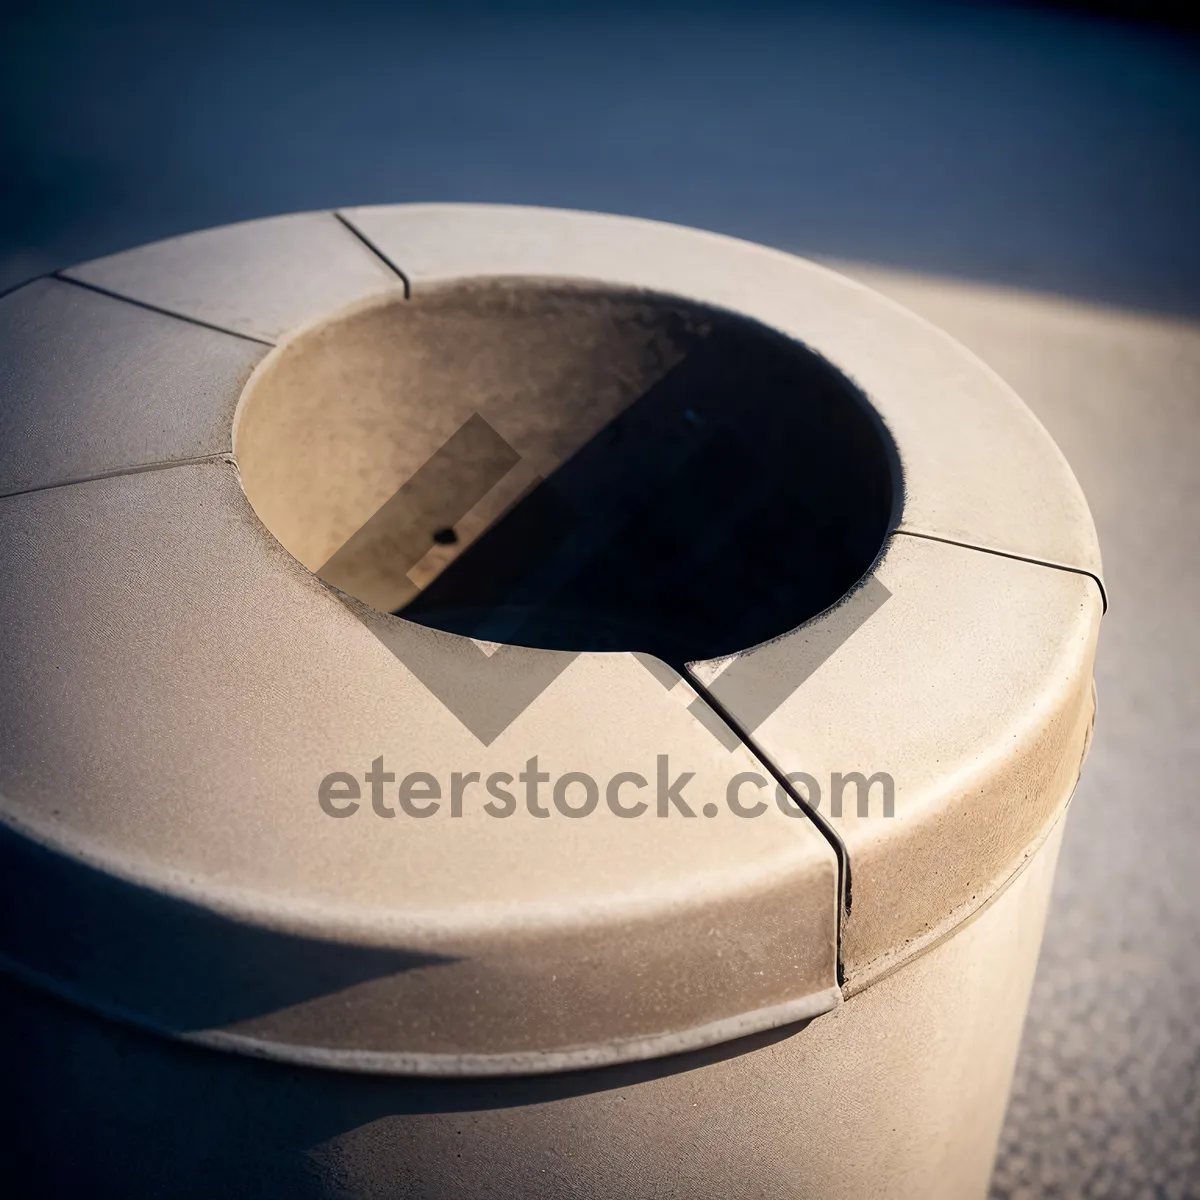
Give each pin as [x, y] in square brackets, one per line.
[1011, 145]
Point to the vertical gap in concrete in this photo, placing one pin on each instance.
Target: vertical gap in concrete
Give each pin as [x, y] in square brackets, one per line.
[827, 831]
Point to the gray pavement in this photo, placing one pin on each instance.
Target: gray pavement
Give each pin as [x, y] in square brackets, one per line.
[1030, 182]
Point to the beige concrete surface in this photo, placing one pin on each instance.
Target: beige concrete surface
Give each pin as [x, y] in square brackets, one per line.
[96, 386]
[196, 771]
[898, 1093]
[1107, 1094]
[969, 688]
[258, 278]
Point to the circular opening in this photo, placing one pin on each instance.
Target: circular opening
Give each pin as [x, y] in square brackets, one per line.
[571, 467]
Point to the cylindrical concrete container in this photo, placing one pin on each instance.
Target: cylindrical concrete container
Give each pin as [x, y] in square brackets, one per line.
[505, 702]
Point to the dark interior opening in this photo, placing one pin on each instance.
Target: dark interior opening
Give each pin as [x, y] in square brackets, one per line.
[746, 490]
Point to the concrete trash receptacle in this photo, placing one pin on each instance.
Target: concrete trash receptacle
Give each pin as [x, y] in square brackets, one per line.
[509, 702]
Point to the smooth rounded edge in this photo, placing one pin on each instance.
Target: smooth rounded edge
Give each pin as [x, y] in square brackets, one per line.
[530, 1062]
[455, 1066]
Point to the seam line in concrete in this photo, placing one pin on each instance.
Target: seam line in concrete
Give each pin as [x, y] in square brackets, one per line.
[154, 308]
[1037, 562]
[357, 233]
[120, 472]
